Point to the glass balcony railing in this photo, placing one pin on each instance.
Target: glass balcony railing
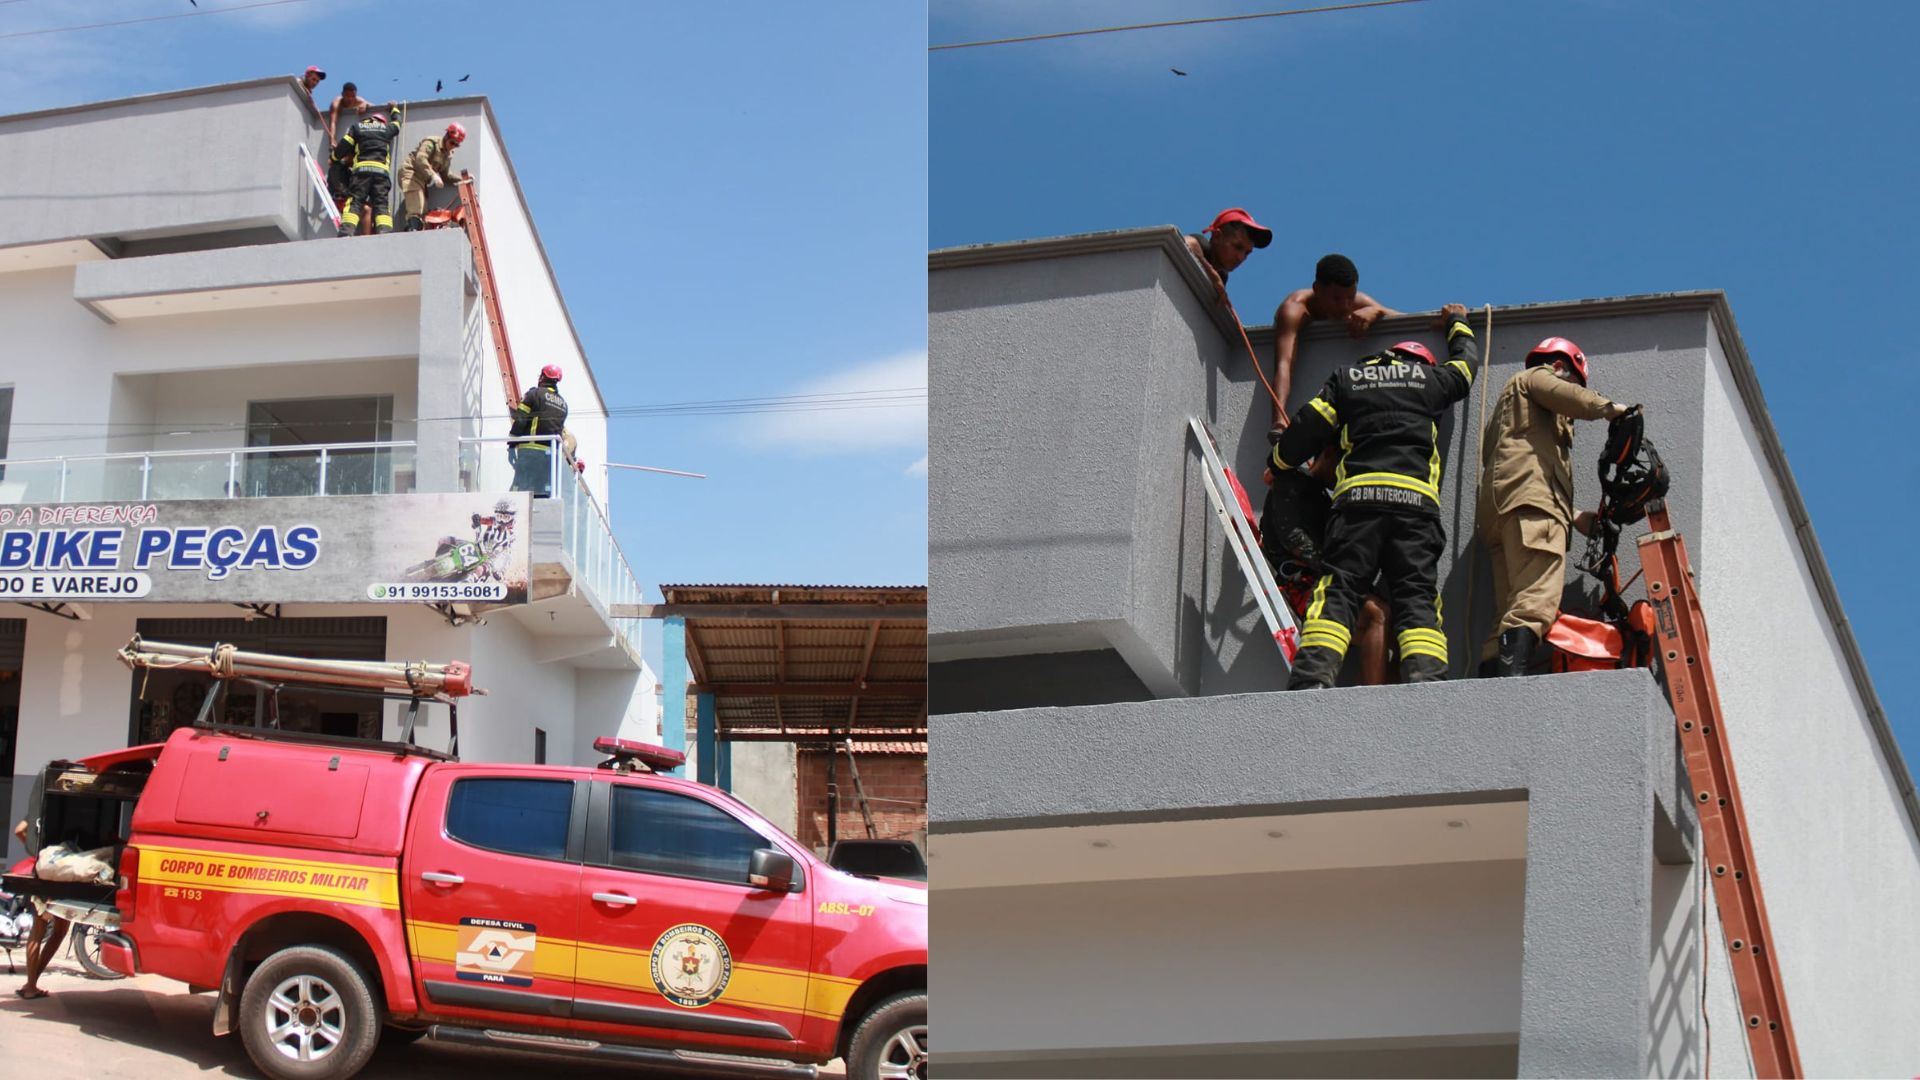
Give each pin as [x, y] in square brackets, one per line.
[250, 472]
[586, 536]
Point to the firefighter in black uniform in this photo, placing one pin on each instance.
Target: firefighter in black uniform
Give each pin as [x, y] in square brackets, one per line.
[372, 142]
[541, 412]
[1386, 499]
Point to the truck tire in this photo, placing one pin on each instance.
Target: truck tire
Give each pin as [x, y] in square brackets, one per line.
[891, 1041]
[308, 1014]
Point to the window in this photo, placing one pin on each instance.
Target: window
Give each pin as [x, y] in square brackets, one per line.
[664, 833]
[308, 422]
[539, 746]
[518, 817]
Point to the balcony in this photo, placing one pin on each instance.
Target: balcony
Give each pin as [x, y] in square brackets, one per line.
[577, 567]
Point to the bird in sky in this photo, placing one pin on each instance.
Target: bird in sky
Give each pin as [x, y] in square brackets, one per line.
[464, 78]
[1176, 71]
[436, 86]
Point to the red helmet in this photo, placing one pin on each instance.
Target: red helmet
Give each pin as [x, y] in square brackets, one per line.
[456, 134]
[551, 371]
[1416, 350]
[1544, 353]
[378, 118]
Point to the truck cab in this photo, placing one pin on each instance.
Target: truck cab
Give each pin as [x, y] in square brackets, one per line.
[330, 889]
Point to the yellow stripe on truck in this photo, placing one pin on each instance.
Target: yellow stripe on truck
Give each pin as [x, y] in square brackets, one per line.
[308, 879]
[757, 986]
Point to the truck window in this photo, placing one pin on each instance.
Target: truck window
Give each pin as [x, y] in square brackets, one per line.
[515, 816]
[663, 833]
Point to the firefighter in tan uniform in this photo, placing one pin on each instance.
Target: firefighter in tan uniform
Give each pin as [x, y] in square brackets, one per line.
[430, 165]
[1526, 496]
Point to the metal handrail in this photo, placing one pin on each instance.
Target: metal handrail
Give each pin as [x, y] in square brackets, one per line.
[554, 480]
[124, 455]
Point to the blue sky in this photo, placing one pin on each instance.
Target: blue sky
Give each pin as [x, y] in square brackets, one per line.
[734, 202]
[1506, 152]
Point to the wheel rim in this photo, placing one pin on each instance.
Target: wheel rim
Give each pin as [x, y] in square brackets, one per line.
[904, 1057]
[305, 1018]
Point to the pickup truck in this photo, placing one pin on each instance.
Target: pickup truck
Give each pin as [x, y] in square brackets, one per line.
[330, 890]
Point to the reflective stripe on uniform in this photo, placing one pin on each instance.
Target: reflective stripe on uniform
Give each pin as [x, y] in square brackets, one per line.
[1382, 479]
[1325, 409]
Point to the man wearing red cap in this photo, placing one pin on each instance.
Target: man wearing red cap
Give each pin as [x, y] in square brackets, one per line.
[1222, 246]
[1335, 296]
[313, 77]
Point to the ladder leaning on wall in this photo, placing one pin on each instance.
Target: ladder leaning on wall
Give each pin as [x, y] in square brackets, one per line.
[1230, 505]
[1680, 638]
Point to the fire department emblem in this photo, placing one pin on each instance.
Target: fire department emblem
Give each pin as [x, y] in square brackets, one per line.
[691, 965]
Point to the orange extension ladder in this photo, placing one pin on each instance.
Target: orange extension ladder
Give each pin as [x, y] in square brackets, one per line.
[483, 266]
[1680, 636]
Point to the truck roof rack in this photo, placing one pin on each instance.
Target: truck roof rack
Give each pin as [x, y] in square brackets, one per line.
[414, 682]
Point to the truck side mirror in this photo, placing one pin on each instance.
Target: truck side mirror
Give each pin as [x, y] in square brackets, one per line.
[772, 870]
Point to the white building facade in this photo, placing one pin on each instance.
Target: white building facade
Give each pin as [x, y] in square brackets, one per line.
[189, 347]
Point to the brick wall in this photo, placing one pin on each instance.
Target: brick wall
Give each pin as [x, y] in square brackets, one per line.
[895, 776]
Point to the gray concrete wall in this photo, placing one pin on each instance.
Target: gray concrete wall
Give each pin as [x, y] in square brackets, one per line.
[1593, 754]
[201, 161]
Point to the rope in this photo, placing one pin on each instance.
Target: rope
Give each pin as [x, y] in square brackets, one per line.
[1257, 369]
[1473, 437]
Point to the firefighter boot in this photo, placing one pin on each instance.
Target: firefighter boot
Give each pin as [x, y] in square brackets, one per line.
[414, 224]
[1314, 668]
[1422, 668]
[1516, 652]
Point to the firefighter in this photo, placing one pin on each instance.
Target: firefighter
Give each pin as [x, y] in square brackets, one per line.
[1293, 533]
[1234, 235]
[1526, 496]
[430, 165]
[1386, 499]
[372, 142]
[1334, 296]
[543, 412]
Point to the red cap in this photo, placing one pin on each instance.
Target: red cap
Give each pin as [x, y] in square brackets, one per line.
[311, 70]
[1262, 236]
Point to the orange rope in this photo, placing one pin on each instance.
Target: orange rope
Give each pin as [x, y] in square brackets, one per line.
[1257, 369]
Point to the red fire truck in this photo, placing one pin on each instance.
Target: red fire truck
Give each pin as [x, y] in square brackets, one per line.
[329, 889]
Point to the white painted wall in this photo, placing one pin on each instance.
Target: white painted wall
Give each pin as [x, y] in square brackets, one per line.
[1836, 853]
[1314, 955]
[609, 703]
[521, 695]
[68, 365]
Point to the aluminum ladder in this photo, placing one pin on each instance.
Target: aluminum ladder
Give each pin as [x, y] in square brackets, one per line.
[1230, 505]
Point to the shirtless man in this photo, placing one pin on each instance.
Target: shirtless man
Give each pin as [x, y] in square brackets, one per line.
[1234, 236]
[349, 103]
[1335, 296]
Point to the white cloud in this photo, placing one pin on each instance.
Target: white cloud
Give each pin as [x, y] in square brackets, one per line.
[881, 405]
[918, 468]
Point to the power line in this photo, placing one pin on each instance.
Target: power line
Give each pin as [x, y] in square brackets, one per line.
[152, 18]
[1175, 22]
[851, 400]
